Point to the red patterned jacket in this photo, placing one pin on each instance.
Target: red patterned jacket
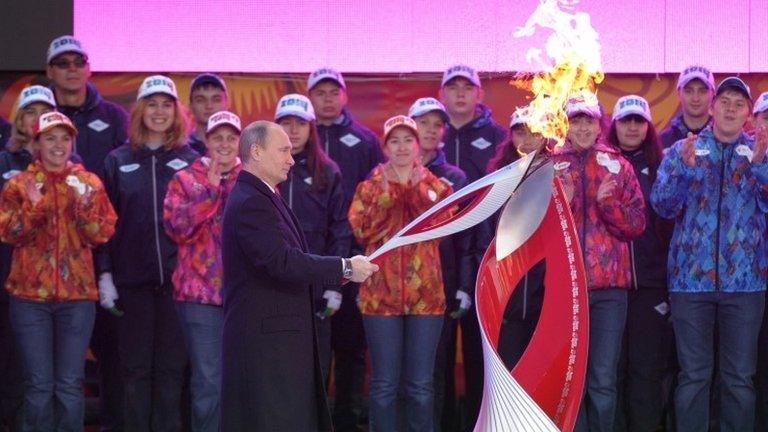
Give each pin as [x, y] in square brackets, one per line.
[192, 214]
[605, 227]
[53, 238]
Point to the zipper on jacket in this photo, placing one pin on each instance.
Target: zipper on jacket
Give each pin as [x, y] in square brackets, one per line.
[327, 144]
[457, 148]
[525, 296]
[290, 189]
[584, 210]
[154, 217]
[632, 261]
[717, 232]
[56, 216]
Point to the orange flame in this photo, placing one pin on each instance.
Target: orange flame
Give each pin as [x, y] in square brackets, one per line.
[573, 68]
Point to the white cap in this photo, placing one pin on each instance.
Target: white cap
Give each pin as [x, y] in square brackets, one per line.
[761, 104]
[64, 44]
[426, 105]
[518, 117]
[397, 121]
[461, 70]
[325, 73]
[696, 72]
[586, 104]
[222, 118]
[295, 105]
[51, 120]
[632, 105]
[36, 93]
[157, 84]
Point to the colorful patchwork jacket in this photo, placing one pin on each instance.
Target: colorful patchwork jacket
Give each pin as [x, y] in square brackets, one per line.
[604, 227]
[53, 238]
[409, 281]
[719, 207]
[192, 214]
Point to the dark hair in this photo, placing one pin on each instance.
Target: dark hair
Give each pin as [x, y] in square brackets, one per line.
[317, 160]
[506, 152]
[651, 147]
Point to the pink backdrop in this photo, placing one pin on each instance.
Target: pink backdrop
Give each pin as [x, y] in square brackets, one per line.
[638, 36]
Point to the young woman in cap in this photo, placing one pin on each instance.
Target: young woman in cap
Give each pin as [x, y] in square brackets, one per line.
[192, 214]
[138, 262]
[608, 210]
[315, 194]
[14, 158]
[404, 303]
[648, 333]
[53, 213]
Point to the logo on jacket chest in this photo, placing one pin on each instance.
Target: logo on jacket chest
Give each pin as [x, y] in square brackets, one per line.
[8, 174]
[129, 167]
[743, 150]
[481, 143]
[308, 180]
[98, 125]
[612, 165]
[562, 165]
[177, 164]
[349, 140]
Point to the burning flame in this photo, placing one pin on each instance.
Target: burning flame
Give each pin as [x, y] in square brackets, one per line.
[572, 71]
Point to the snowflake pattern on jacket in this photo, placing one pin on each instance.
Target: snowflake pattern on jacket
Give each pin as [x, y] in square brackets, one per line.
[719, 207]
[53, 238]
[409, 281]
[192, 215]
[604, 227]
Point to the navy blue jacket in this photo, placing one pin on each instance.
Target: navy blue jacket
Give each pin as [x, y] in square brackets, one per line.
[648, 252]
[140, 253]
[474, 144]
[677, 130]
[321, 214]
[456, 257]
[196, 144]
[101, 128]
[11, 163]
[355, 149]
[5, 132]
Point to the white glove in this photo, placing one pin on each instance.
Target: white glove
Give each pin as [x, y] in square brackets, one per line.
[107, 291]
[332, 304]
[464, 302]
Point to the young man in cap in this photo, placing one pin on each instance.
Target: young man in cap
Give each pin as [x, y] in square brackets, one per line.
[470, 142]
[356, 150]
[714, 185]
[207, 95]
[102, 127]
[695, 87]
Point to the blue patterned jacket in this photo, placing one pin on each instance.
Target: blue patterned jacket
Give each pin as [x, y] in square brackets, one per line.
[719, 206]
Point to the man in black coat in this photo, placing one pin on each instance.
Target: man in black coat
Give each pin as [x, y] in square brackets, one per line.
[271, 373]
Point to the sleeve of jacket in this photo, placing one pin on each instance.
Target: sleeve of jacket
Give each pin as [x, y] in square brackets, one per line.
[184, 216]
[369, 213]
[670, 189]
[95, 217]
[259, 236]
[121, 126]
[339, 241]
[760, 171]
[102, 258]
[20, 220]
[624, 210]
[465, 245]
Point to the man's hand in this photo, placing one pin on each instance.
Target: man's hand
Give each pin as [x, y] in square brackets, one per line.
[362, 269]
[332, 304]
[462, 304]
[108, 294]
[688, 152]
[606, 189]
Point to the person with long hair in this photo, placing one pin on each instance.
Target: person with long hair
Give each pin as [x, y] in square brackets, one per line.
[192, 213]
[137, 264]
[648, 335]
[608, 211]
[315, 193]
[404, 303]
[53, 213]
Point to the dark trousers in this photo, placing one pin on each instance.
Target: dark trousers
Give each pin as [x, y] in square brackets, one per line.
[472, 352]
[153, 358]
[761, 378]
[646, 361]
[11, 385]
[348, 345]
[444, 400]
[105, 347]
